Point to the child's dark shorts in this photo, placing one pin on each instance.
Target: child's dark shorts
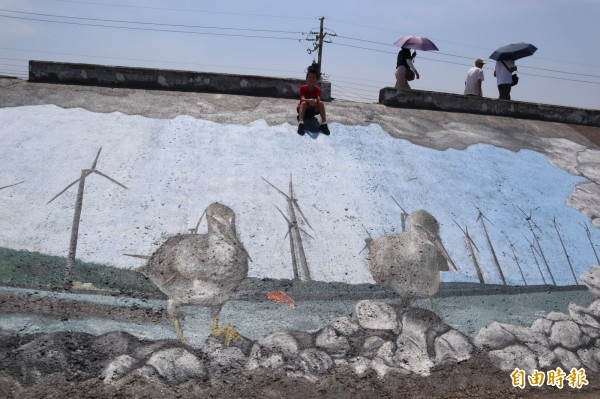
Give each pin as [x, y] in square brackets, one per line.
[309, 112]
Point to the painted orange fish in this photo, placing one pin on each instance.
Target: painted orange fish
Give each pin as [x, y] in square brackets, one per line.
[279, 296]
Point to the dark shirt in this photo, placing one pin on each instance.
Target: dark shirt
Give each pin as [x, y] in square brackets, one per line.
[403, 55]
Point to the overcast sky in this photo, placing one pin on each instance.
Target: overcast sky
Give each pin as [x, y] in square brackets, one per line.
[565, 70]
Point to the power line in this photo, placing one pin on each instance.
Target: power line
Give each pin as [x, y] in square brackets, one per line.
[557, 78]
[460, 56]
[13, 59]
[456, 63]
[13, 72]
[149, 29]
[361, 79]
[182, 10]
[149, 23]
[364, 40]
[13, 65]
[355, 84]
[350, 96]
[451, 42]
[392, 45]
[355, 92]
[364, 48]
[142, 60]
[336, 83]
[364, 26]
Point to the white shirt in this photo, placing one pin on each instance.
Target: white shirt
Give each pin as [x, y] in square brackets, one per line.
[473, 75]
[503, 75]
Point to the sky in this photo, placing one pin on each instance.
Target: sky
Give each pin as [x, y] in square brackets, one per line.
[268, 38]
[174, 168]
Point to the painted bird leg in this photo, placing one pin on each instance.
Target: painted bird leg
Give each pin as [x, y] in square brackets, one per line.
[229, 332]
[179, 330]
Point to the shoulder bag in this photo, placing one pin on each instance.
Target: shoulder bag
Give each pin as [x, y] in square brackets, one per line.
[515, 78]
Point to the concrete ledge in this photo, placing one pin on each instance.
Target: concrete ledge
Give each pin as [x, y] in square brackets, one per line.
[391, 97]
[162, 79]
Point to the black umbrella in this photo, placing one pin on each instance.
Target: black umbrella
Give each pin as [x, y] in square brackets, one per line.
[513, 51]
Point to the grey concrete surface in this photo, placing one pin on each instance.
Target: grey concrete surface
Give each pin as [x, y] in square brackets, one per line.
[163, 79]
[418, 126]
[422, 99]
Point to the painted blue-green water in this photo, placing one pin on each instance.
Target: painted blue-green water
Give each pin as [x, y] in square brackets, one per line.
[255, 319]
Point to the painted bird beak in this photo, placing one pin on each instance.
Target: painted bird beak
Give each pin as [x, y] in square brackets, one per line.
[450, 264]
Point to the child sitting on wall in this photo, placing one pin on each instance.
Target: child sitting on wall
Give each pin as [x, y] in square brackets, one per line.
[310, 102]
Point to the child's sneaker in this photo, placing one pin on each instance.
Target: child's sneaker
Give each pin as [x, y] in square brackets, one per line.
[301, 129]
[324, 129]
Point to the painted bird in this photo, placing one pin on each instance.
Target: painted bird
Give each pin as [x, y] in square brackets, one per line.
[201, 269]
[411, 262]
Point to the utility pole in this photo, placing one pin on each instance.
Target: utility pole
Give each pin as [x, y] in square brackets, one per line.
[321, 36]
[319, 40]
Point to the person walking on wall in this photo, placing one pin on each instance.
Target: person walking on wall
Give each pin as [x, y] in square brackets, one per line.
[474, 80]
[404, 63]
[503, 73]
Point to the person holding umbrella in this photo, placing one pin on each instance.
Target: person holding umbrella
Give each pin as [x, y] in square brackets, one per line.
[505, 57]
[404, 62]
[503, 73]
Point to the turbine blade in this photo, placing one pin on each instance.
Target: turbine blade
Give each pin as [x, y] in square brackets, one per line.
[11, 185]
[286, 219]
[304, 231]
[482, 215]
[526, 239]
[295, 202]
[466, 233]
[66, 188]
[523, 212]
[96, 160]
[281, 192]
[397, 203]
[470, 239]
[461, 229]
[199, 220]
[367, 231]
[110, 178]
[365, 247]
[138, 256]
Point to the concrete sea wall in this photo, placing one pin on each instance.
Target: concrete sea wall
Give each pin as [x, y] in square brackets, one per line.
[163, 79]
[421, 99]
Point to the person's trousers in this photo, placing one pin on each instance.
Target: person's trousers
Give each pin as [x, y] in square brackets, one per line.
[401, 82]
[504, 90]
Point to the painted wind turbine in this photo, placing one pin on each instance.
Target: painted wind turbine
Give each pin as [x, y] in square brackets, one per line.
[70, 272]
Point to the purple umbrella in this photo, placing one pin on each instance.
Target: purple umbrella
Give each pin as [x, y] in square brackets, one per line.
[416, 42]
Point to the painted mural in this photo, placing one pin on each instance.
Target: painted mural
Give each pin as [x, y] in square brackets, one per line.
[185, 240]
